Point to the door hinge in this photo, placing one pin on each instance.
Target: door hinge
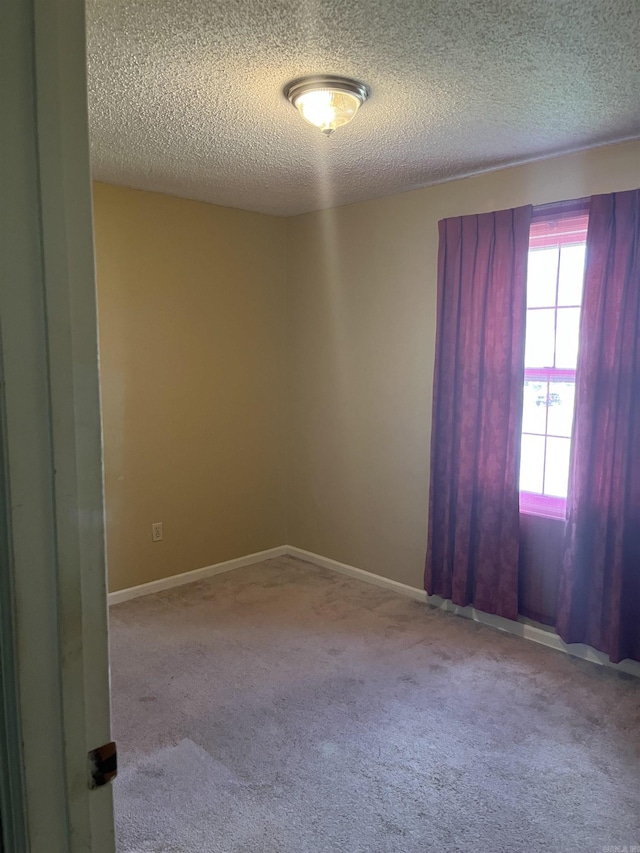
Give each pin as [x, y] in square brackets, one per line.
[103, 765]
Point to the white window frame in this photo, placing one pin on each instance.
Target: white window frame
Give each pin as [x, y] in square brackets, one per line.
[533, 503]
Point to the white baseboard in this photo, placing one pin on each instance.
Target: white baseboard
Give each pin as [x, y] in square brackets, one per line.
[525, 628]
[196, 575]
[360, 574]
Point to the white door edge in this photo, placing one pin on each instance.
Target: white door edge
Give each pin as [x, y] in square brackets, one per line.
[52, 424]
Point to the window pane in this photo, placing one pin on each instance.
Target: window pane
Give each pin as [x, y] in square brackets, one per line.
[531, 463]
[554, 294]
[556, 477]
[542, 273]
[560, 408]
[539, 343]
[534, 408]
[567, 337]
[571, 275]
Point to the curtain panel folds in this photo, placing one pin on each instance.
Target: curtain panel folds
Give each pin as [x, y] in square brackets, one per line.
[473, 540]
[599, 598]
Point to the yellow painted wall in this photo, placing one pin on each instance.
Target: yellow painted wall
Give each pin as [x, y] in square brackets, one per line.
[192, 345]
[361, 325]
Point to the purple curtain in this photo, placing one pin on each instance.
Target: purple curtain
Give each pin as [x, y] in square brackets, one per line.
[472, 551]
[599, 600]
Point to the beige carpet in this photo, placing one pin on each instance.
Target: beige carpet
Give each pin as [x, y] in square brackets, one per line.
[284, 709]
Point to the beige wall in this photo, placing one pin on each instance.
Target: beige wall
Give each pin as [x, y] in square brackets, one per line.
[192, 314]
[361, 325]
[218, 375]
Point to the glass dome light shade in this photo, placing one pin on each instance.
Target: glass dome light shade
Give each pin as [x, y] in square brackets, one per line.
[326, 102]
[326, 109]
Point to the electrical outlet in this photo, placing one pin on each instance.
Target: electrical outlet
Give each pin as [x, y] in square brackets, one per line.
[156, 531]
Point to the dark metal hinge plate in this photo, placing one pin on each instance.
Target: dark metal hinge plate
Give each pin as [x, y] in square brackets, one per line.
[103, 765]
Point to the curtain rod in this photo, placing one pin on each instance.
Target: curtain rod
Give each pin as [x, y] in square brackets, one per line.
[557, 208]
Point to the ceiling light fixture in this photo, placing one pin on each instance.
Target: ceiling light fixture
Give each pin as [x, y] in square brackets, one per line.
[325, 101]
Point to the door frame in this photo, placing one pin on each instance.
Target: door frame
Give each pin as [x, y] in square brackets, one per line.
[12, 804]
[51, 430]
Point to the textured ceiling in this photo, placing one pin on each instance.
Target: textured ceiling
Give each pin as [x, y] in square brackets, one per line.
[186, 95]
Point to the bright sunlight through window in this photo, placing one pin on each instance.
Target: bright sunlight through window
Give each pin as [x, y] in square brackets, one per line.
[554, 295]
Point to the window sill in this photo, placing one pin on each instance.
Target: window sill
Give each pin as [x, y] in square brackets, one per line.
[543, 506]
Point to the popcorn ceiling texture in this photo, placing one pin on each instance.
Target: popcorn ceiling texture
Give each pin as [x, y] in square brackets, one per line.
[186, 95]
